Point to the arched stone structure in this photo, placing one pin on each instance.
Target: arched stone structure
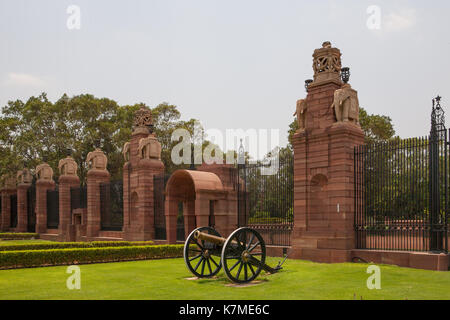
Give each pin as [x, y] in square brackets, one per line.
[200, 192]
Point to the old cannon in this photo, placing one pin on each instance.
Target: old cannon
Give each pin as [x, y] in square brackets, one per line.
[242, 254]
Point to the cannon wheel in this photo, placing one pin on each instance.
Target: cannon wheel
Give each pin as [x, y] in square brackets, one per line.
[197, 254]
[243, 255]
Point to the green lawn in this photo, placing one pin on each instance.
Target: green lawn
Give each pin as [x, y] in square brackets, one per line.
[166, 279]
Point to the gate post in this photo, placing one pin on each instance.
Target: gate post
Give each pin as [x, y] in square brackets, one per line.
[44, 175]
[143, 156]
[68, 178]
[24, 179]
[323, 163]
[8, 189]
[96, 175]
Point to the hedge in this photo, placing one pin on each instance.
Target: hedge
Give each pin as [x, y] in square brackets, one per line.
[18, 236]
[68, 245]
[39, 258]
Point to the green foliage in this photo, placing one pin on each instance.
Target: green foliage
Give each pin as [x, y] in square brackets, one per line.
[38, 128]
[35, 258]
[66, 245]
[377, 128]
[11, 235]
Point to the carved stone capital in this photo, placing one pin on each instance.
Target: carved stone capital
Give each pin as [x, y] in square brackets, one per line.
[44, 172]
[24, 176]
[68, 167]
[326, 64]
[97, 160]
[149, 148]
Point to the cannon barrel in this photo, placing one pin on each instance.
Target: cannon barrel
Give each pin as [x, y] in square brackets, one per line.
[209, 237]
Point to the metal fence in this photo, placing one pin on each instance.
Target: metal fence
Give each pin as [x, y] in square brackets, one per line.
[159, 187]
[111, 206]
[13, 210]
[401, 194]
[53, 209]
[78, 197]
[266, 199]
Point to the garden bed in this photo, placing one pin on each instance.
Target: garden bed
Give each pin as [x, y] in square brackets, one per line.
[54, 257]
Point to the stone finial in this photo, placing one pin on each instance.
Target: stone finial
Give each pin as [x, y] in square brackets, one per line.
[68, 167]
[143, 120]
[327, 63]
[346, 104]
[149, 148]
[44, 172]
[24, 176]
[126, 151]
[97, 160]
[300, 112]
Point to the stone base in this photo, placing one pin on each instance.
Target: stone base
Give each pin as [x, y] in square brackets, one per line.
[418, 260]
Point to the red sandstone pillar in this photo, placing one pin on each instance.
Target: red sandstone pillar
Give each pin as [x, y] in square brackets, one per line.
[202, 210]
[68, 178]
[6, 216]
[324, 166]
[44, 175]
[143, 156]
[189, 217]
[22, 214]
[171, 212]
[94, 179]
[41, 204]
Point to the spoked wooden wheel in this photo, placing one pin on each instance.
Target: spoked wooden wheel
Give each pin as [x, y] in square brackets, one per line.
[243, 255]
[201, 256]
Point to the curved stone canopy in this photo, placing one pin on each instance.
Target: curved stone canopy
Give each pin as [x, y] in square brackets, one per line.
[186, 181]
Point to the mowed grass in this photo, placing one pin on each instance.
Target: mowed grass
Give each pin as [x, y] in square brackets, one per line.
[167, 279]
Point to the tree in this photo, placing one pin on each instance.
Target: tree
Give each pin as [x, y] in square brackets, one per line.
[36, 129]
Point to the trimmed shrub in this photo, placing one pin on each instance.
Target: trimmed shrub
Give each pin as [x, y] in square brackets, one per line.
[18, 236]
[68, 245]
[38, 258]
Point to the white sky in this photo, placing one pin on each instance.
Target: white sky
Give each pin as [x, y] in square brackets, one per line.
[231, 64]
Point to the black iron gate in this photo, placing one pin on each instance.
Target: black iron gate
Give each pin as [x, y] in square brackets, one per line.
[401, 192]
[31, 208]
[159, 187]
[266, 198]
[78, 198]
[111, 206]
[13, 210]
[53, 209]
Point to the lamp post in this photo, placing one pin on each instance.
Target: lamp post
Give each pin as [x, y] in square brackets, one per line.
[307, 83]
[345, 74]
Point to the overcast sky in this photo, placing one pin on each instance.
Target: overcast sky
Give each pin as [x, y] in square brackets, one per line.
[231, 64]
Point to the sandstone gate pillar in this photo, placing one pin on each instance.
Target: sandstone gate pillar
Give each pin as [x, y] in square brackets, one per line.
[143, 156]
[96, 175]
[68, 178]
[7, 190]
[44, 175]
[324, 164]
[24, 179]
